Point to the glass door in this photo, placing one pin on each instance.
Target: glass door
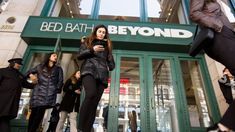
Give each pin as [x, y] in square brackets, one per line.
[125, 100]
[129, 95]
[162, 93]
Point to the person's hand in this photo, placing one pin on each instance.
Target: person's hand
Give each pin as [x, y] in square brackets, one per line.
[98, 48]
[77, 91]
[33, 78]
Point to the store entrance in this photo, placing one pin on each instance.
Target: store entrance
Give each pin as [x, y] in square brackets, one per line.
[139, 88]
[142, 94]
[146, 92]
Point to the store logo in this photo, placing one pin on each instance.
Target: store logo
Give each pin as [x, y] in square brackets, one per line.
[119, 30]
[148, 31]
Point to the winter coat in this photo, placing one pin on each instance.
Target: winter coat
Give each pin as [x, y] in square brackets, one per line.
[11, 83]
[49, 84]
[96, 64]
[208, 14]
[71, 100]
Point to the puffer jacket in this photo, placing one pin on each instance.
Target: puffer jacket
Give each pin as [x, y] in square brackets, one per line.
[96, 64]
[49, 84]
[208, 14]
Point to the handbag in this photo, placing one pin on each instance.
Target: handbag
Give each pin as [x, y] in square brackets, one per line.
[203, 37]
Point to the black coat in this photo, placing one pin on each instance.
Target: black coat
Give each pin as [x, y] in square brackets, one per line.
[49, 84]
[11, 83]
[71, 100]
[96, 64]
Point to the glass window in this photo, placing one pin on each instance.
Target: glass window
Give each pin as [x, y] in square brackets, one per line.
[166, 117]
[164, 11]
[129, 95]
[227, 10]
[76, 8]
[127, 10]
[195, 94]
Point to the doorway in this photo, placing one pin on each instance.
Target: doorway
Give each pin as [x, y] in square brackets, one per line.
[147, 91]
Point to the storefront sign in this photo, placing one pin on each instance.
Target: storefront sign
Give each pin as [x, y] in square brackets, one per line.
[38, 27]
[118, 30]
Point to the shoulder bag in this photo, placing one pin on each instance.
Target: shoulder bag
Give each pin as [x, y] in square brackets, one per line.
[203, 37]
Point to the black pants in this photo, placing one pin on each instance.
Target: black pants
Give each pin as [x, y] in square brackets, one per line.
[223, 48]
[223, 51]
[93, 92]
[4, 124]
[35, 118]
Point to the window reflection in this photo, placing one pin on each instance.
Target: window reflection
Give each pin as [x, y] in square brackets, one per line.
[166, 117]
[164, 11]
[129, 95]
[120, 10]
[194, 89]
[227, 10]
[76, 8]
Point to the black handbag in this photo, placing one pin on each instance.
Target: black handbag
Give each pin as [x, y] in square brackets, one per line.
[203, 37]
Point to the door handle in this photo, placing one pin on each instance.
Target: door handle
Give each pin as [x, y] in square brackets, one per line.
[152, 103]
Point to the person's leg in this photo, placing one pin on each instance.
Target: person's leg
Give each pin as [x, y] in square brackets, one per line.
[35, 118]
[4, 125]
[94, 104]
[223, 48]
[89, 84]
[228, 119]
[60, 125]
[73, 121]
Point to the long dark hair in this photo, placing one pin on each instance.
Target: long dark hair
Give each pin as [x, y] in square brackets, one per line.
[47, 59]
[90, 38]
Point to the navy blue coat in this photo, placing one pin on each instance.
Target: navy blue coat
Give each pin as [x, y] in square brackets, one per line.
[49, 84]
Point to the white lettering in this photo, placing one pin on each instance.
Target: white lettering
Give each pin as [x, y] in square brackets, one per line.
[133, 30]
[180, 33]
[44, 26]
[122, 30]
[146, 31]
[51, 26]
[112, 29]
[119, 30]
[158, 32]
[69, 27]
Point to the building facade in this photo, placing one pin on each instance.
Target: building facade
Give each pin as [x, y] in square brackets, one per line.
[154, 75]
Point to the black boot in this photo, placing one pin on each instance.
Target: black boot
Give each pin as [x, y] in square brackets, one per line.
[213, 128]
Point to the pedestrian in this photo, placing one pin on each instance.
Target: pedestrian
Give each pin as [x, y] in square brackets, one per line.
[70, 102]
[226, 85]
[54, 118]
[132, 120]
[11, 83]
[96, 52]
[208, 13]
[50, 82]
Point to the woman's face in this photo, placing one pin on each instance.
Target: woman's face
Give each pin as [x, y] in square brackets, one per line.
[77, 75]
[100, 33]
[53, 57]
